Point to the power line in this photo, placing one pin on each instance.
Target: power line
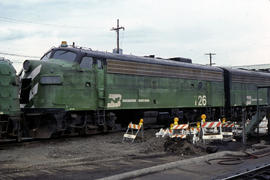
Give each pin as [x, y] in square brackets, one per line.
[18, 55]
[12, 20]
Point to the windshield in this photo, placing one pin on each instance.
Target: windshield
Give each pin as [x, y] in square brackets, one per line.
[46, 56]
[64, 55]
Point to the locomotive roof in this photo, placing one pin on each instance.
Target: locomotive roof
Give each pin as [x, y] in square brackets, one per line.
[124, 57]
[4, 60]
[6, 65]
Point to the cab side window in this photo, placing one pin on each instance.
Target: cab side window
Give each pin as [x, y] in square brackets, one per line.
[86, 63]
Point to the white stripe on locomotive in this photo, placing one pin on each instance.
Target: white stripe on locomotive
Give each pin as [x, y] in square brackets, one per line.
[33, 91]
[35, 72]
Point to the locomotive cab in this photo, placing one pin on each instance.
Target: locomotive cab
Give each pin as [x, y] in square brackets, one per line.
[63, 86]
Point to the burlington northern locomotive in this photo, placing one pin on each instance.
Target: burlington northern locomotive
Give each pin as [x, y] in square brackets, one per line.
[10, 116]
[78, 90]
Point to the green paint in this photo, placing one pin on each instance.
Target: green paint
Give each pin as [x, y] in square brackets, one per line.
[243, 94]
[9, 88]
[155, 92]
[77, 91]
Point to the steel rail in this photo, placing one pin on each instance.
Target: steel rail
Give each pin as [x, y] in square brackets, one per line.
[247, 172]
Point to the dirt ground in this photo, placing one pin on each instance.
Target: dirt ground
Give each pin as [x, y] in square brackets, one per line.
[45, 157]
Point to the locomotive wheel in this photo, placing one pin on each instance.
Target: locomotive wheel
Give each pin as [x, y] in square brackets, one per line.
[45, 127]
[83, 131]
[19, 137]
[19, 131]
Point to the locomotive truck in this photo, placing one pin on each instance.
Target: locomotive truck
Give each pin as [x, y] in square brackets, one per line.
[78, 90]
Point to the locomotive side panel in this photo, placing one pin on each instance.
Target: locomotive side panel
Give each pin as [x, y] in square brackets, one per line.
[136, 85]
[243, 88]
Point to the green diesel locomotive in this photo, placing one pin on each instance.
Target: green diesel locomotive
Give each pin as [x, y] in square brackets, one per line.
[78, 90]
[9, 101]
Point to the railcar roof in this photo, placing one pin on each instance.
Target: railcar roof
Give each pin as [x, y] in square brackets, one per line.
[124, 57]
[242, 72]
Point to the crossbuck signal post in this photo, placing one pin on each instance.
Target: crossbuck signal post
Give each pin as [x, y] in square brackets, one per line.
[117, 29]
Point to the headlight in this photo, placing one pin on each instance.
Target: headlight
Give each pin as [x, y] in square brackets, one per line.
[26, 65]
[50, 80]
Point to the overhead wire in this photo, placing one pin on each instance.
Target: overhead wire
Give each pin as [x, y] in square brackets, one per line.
[13, 20]
[18, 55]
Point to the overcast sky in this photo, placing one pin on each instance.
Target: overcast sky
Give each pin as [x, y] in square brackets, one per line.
[238, 31]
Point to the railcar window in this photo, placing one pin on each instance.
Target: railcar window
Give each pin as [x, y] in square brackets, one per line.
[86, 63]
[64, 55]
[46, 56]
[99, 64]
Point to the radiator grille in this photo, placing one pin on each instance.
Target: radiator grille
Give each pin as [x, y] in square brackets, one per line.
[144, 69]
[250, 79]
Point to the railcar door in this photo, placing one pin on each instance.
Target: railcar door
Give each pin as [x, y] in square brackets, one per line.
[100, 78]
[88, 95]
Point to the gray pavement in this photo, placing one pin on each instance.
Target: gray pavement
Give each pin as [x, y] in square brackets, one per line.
[211, 166]
[202, 170]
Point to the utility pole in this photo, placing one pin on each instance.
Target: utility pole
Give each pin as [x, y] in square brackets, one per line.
[210, 56]
[117, 29]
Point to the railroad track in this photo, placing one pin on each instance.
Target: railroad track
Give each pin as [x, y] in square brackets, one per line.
[13, 143]
[32, 141]
[258, 173]
[85, 167]
[6, 143]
